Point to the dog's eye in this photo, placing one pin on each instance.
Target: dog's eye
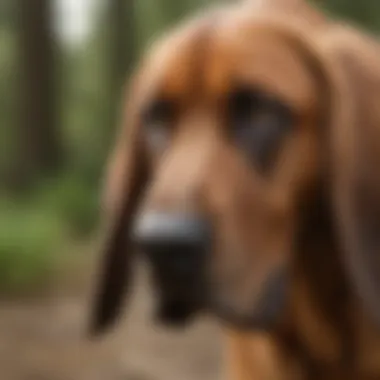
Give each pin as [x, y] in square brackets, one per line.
[259, 124]
[157, 121]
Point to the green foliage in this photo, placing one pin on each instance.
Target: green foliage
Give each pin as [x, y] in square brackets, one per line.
[34, 232]
[365, 13]
[73, 202]
[30, 240]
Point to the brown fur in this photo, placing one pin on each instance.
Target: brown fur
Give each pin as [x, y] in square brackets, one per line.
[308, 216]
[289, 8]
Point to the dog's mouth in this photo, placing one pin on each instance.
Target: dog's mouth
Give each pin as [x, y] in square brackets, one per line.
[178, 301]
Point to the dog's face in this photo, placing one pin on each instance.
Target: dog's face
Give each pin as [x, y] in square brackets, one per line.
[221, 154]
[232, 140]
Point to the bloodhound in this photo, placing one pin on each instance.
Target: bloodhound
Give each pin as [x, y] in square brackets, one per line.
[245, 171]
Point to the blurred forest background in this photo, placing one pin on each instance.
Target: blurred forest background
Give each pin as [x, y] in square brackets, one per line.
[62, 65]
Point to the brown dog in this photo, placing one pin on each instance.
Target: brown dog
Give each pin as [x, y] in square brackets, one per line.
[246, 170]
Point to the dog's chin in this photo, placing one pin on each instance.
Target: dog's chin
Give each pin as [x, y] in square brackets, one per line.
[177, 303]
[176, 313]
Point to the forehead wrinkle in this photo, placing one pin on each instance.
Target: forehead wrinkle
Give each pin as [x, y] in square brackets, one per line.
[193, 61]
[202, 55]
[173, 66]
[221, 60]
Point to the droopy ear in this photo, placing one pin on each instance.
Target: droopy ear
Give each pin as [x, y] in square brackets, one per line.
[356, 163]
[125, 180]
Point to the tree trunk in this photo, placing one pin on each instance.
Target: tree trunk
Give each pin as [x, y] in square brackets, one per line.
[121, 41]
[120, 55]
[38, 150]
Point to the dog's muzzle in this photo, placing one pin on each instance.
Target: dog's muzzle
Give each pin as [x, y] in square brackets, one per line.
[175, 245]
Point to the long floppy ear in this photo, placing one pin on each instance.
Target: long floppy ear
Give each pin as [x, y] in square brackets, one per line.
[356, 163]
[125, 181]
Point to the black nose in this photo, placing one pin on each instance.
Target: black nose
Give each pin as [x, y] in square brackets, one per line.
[173, 241]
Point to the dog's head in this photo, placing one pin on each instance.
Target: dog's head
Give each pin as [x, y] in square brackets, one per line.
[223, 159]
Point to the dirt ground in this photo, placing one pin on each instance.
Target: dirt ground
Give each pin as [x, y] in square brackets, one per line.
[45, 339]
